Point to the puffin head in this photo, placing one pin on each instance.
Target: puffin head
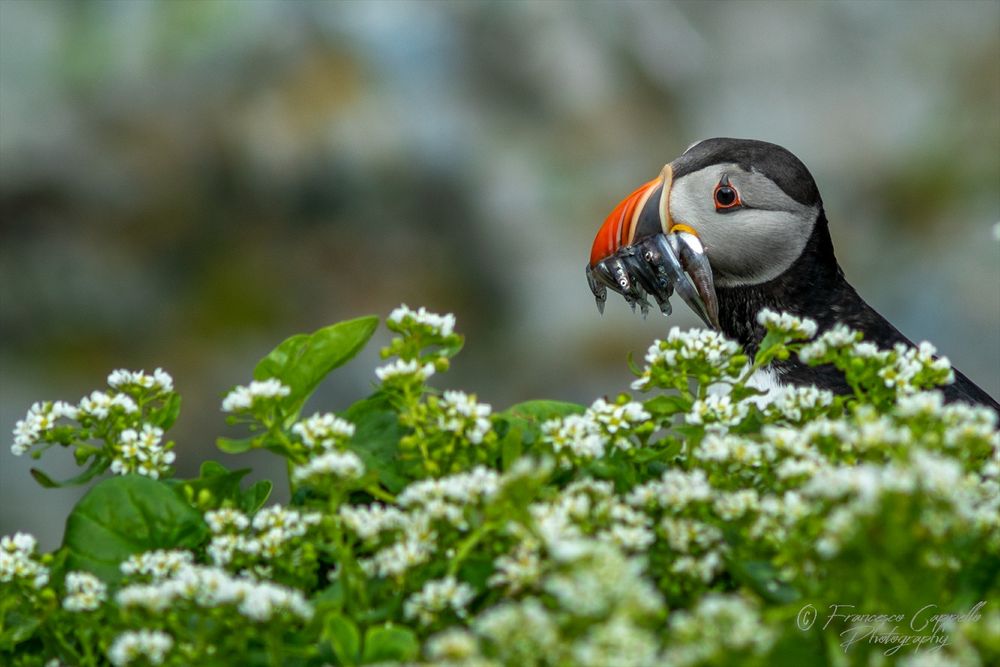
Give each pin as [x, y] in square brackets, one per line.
[747, 208]
[753, 205]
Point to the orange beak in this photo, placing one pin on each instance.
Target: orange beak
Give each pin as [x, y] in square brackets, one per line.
[636, 217]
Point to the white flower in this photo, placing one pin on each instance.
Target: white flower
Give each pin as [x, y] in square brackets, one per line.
[704, 568]
[835, 338]
[791, 468]
[214, 587]
[262, 600]
[345, 465]
[676, 489]
[414, 549]
[735, 504]
[463, 488]
[141, 452]
[243, 398]
[41, 417]
[152, 645]
[441, 325]
[160, 380]
[324, 431]
[84, 592]
[797, 327]
[920, 404]
[577, 434]
[909, 363]
[791, 401]
[158, 564]
[717, 412]
[452, 645]
[684, 534]
[437, 596]
[17, 562]
[520, 630]
[367, 521]
[518, 570]
[681, 348]
[407, 370]
[462, 415]
[615, 421]
[100, 404]
[222, 519]
[291, 523]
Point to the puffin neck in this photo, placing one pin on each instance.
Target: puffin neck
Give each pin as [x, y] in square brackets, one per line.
[804, 289]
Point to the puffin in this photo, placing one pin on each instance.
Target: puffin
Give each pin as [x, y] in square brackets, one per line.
[735, 226]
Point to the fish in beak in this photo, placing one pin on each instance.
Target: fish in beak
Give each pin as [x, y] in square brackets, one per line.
[640, 250]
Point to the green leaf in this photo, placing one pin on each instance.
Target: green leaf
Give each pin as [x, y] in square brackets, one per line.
[540, 411]
[761, 577]
[376, 439]
[18, 625]
[95, 469]
[235, 446]
[165, 416]
[255, 497]
[632, 366]
[511, 446]
[215, 480]
[520, 425]
[126, 515]
[390, 643]
[302, 361]
[667, 404]
[344, 638]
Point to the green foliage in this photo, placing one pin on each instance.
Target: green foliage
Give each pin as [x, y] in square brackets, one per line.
[707, 524]
[128, 515]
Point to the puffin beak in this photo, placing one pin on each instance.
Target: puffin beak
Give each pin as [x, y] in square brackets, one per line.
[640, 248]
[698, 291]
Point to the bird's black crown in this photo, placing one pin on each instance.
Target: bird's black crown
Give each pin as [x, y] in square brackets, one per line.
[771, 160]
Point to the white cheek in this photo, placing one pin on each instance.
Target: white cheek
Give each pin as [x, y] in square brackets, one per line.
[752, 246]
[746, 246]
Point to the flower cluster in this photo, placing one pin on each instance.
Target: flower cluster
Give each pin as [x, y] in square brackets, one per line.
[463, 416]
[245, 398]
[18, 562]
[700, 353]
[120, 429]
[159, 381]
[435, 598]
[792, 326]
[207, 587]
[718, 626]
[406, 320]
[718, 412]
[42, 417]
[150, 645]
[323, 432]
[161, 563]
[546, 534]
[84, 592]
[99, 405]
[586, 436]
[335, 465]
[425, 342]
[272, 540]
[402, 370]
[142, 452]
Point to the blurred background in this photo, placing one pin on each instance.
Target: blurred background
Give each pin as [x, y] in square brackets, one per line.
[184, 184]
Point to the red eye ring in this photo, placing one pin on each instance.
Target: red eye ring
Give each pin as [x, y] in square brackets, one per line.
[725, 196]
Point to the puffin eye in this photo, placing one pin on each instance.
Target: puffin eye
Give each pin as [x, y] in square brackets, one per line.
[726, 196]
